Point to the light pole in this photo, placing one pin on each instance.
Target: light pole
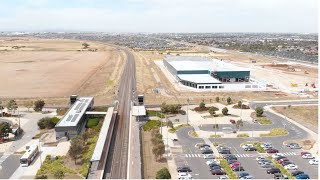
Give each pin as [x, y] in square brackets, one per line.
[188, 111]
[167, 137]
[40, 151]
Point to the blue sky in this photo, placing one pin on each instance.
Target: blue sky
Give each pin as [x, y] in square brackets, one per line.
[160, 15]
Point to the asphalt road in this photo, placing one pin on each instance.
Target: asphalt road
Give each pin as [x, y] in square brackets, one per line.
[116, 167]
[190, 155]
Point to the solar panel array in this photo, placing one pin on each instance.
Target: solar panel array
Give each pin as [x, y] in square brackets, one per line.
[74, 117]
[69, 118]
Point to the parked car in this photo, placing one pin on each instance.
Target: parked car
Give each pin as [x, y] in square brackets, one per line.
[238, 168]
[215, 167]
[232, 121]
[225, 152]
[266, 145]
[280, 157]
[184, 175]
[242, 174]
[277, 155]
[207, 152]
[182, 112]
[199, 145]
[223, 177]
[203, 148]
[250, 149]
[313, 162]
[208, 156]
[260, 158]
[273, 170]
[304, 152]
[247, 177]
[229, 156]
[295, 146]
[296, 173]
[231, 161]
[291, 167]
[284, 163]
[264, 161]
[292, 144]
[267, 165]
[218, 172]
[307, 156]
[234, 164]
[246, 146]
[283, 159]
[183, 169]
[174, 139]
[255, 120]
[272, 150]
[213, 161]
[279, 176]
[302, 176]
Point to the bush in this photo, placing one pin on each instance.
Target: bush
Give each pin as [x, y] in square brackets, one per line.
[41, 176]
[163, 174]
[276, 132]
[259, 111]
[212, 111]
[225, 111]
[92, 123]
[229, 100]
[215, 136]
[202, 105]
[151, 124]
[264, 120]
[47, 122]
[59, 174]
[171, 108]
[155, 113]
[55, 120]
[38, 105]
[193, 133]
[242, 135]
[217, 99]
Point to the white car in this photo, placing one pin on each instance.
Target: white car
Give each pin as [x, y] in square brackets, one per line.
[274, 156]
[205, 148]
[208, 156]
[260, 158]
[307, 156]
[291, 167]
[223, 177]
[184, 175]
[265, 145]
[313, 162]
[211, 161]
[246, 146]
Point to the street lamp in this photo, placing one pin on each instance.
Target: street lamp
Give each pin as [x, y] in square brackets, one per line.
[188, 100]
[40, 151]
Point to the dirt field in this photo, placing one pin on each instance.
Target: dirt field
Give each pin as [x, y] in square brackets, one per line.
[55, 69]
[147, 82]
[306, 115]
[150, 165]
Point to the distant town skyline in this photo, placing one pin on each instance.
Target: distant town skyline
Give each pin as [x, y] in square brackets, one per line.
[156, 16]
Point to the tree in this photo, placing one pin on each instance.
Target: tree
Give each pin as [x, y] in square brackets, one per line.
[163, 174]
[4, 129]
[75, 150]
[240, 104]
[47, 122]
[85, 45]
[38, 105]
[229, 100]
[202, 105]
[212, 111]
[28, 104]
[259, 111]
[158, 150]
[12, 105]
[225, 111]
[155, 141]
[59, 174]
[217, 99]
[170, 124]
[239, 124]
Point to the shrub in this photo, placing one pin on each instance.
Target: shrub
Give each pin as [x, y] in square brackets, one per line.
[151, 124]
[225, 111]
[55, 120]
[240, 104]
[47, 122]
[171, 108]
[259, 111]
[217, 99]
[276, 132]
[163, 174]
[92, 123]
[229, 100]
[170, 124]
[38, 105]
[202, 105]
[59, 174]
[242, 135]
[193, 133]
[212, 111]
[264, 120]
[215, 136]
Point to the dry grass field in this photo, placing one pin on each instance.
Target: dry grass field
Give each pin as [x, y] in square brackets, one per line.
[55, 69]
[306, 115]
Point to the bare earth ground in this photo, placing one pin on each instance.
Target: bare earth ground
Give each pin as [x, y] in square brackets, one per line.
[147, 82]
[54, 69]
[307, 115]
[150, 165]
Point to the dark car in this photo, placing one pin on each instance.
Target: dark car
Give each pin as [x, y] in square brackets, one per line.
[250, 149]
[264, 161]
[304, 152]
[280, 157]
[204, 145]
[303, 176]
[207, 151]
[238, 168]
[182, 112]
[217, 172]
[272, 150]
[273, 170]
[279, 176]
[292, 144]
[213, 165]
[231, 161]
[296, 173]
[229, 156]
[232, 121]
[215, 168]
[183, 169]
[243, 174]
[285, 163]
[225, 152]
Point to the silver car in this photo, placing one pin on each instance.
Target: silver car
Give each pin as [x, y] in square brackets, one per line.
[267, 165]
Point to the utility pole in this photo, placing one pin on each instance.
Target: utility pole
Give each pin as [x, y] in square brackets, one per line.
[188, 111]
[40, 151]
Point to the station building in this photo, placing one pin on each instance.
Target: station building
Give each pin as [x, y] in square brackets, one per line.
[205, 73]
[73, 122]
